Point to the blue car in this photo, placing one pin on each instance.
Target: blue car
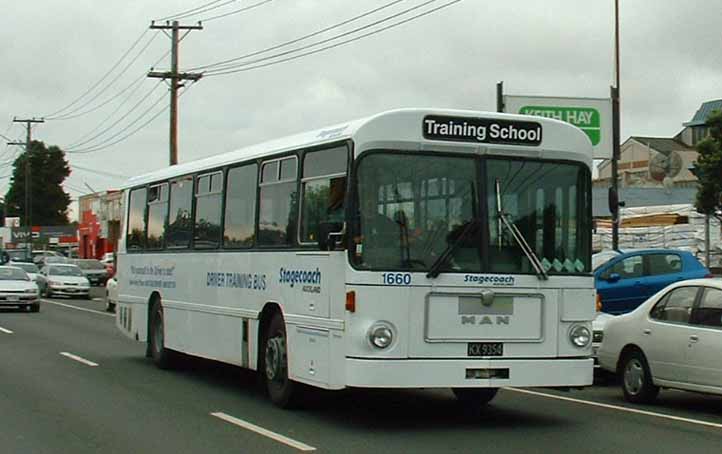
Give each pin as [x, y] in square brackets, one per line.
[624, 280]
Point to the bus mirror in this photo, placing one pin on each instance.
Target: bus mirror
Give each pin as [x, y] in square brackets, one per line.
[330, 233]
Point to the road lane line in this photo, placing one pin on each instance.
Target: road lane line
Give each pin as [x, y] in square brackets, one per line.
[79, 359]
[267, 433]
[6, 331]
[78, 308]
[620, 408]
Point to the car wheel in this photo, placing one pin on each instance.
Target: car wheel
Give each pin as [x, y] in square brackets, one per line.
[636, 379]
[473, 400]
[162, 357]
[282, 391]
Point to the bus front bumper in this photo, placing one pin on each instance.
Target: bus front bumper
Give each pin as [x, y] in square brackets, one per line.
[435, 373]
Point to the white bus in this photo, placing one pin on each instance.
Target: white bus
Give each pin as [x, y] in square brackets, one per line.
[416, 248]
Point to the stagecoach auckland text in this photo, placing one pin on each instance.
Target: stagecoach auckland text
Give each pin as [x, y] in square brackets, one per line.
[299, 277]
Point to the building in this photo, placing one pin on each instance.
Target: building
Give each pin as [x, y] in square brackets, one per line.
[660, 162]
[99, 223]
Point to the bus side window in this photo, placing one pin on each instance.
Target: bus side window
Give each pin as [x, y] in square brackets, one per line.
[180, 228]
[157, 212]
[136, 220]
[278, 202]
[240, 216]
[323, 189]
[209, 188]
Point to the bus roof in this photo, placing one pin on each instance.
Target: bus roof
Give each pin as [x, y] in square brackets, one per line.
[398, 127]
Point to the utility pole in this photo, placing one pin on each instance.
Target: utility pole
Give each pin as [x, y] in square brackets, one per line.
[175, 78]
[28, 188]
[615, 131]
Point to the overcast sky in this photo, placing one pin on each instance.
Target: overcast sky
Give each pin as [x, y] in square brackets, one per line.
[53, 51]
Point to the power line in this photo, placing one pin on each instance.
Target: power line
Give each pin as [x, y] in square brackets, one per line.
[302, 38]
[175, 16]
[248, 66]
[70, 149]
[128, 126]
[238, 11]
[210, 8]
[135, 43]
[137, 82]
[100, 172]
[69, 115]
[130, 134]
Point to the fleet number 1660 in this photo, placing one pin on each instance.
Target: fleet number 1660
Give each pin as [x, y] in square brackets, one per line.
[396, 278]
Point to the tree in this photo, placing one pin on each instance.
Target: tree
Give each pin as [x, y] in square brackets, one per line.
[708, 167]
[49, 202]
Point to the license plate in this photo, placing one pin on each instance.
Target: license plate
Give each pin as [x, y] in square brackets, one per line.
[485, 349]
[13, 298]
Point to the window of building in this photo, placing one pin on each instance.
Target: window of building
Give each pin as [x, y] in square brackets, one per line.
[136, 220]
[324, 189]
[209, 189]
[157, 213]
[180, 227]
[240, 218]
[278, 202]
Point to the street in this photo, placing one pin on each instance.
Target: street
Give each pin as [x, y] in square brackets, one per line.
[71, 383]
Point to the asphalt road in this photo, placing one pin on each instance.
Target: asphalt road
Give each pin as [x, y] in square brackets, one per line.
[54, 400]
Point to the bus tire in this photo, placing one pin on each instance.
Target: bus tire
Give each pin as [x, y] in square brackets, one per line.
[162, 357]
[282, 391]
[473, 400]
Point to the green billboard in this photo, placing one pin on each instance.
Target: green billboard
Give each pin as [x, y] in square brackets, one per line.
[585, 118]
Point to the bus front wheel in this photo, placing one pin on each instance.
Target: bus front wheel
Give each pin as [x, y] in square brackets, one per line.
[474, 399]
[282, 391]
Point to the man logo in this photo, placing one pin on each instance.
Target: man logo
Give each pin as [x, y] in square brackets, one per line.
[485, 320]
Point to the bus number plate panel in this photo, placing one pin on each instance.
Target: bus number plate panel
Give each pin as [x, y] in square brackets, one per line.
[485, 349]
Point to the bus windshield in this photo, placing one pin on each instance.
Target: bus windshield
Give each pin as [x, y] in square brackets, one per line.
[412, 208]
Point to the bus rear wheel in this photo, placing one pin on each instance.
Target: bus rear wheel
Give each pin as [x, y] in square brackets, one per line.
[161, 356]
[282, 391]
[473, 400]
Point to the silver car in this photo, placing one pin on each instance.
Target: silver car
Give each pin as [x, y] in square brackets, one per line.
[673, 340]
[63, 279]
[17, 290]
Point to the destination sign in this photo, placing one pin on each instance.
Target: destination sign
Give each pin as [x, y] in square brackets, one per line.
[482, 130]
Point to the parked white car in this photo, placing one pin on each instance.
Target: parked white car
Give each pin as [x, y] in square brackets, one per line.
[17, 290]
[673, 340]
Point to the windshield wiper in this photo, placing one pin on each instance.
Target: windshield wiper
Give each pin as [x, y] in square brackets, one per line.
[435, 269]
[518, 237]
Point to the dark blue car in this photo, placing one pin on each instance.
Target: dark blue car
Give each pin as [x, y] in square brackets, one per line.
[627, 279]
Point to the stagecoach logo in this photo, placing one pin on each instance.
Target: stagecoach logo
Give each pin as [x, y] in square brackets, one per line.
[311, 279]
[486, 309]
[482, 130]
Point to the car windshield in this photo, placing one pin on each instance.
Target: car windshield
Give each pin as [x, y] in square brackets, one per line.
[413, 207]
[27, 267]
[90, 265]
[20, 254]
[67, 270]
[13, 274]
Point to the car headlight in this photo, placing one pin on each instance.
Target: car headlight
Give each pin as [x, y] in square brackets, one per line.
[580, 336]
[31, 290]
[381, 334]
[54, 283]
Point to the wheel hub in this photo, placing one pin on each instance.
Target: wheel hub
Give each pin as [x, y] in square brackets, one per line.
[275, 358]
[633, 376]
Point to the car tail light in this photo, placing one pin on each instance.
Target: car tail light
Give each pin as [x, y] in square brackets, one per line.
[708, 275]
[599, 303]
[351, 301]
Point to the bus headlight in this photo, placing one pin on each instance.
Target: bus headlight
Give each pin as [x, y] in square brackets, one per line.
[381, 334]
[580, 336]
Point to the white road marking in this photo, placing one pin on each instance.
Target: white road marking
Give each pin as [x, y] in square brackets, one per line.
[6, 331]
[267, 433]
[78, 308]
[79, 359]
[620, 408]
